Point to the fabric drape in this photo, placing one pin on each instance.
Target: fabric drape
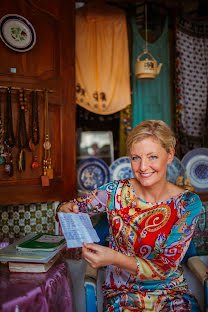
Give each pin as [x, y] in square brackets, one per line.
[102, 59]
[192, 85]
[151, 99]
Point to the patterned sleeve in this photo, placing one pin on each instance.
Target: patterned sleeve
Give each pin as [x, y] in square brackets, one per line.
[94, 202]
[166, 258]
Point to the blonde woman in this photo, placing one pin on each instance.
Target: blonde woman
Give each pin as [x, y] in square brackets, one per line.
[151, 223]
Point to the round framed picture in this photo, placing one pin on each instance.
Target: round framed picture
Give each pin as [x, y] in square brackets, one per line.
[17, 33]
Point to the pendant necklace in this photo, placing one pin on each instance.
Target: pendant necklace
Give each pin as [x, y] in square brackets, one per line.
[47, 169]
[9, 134]
[22, 131]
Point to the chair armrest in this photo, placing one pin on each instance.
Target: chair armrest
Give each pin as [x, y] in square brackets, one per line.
[198, 268]
[90, 273]
[90, 285]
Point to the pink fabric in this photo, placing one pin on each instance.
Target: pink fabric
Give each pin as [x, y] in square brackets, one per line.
[35, 292]
[3, 244]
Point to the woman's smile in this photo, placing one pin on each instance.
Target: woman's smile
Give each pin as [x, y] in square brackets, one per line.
[149, 161]
[146, 175]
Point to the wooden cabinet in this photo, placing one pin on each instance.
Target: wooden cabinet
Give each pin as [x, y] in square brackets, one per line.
[203, 196]
[48, 65]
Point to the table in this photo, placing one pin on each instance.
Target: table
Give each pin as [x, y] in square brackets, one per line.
[36, 292]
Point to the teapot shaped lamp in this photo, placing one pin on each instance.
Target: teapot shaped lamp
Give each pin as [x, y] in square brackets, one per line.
[146, 69]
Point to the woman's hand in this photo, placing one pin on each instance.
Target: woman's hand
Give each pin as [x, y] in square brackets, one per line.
[98, 256]
[69, 207]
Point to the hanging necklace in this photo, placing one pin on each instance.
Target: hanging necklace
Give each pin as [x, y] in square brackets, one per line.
[8, 167]
[22, 131]
[35, 122]
[47, 169]
[35, 133]
[9, 135]
[2, 155]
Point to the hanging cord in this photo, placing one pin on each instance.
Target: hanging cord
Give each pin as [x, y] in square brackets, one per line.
[46, 116]
[146, 38]
[9, 135]
[35, 122]
[0, 110]
[47, 144]
[1, 133]
[1, 123]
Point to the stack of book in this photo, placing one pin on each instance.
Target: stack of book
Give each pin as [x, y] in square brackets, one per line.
[33, 253]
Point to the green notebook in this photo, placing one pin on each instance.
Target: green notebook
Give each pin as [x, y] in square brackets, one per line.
[42, 242]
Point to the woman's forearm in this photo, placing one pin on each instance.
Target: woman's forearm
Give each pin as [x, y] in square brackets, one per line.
[126, 263]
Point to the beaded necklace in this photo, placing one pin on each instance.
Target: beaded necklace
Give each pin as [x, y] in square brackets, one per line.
[23, 141]
[9, 132]
[35, 122]
[9, 135]
[35, 131]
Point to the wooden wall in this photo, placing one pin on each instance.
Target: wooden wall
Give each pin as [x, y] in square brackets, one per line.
[48, 65]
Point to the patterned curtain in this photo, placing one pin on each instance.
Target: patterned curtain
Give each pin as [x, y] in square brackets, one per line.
[191, 85]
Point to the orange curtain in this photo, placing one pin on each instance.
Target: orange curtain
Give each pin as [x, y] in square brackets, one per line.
[102, 59]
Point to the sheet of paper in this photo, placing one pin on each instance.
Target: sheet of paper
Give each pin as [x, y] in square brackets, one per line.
[77, 228]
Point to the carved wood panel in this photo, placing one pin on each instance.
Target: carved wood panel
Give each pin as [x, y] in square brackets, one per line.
[49, 64]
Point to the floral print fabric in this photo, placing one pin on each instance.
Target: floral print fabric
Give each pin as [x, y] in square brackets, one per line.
[157, 235]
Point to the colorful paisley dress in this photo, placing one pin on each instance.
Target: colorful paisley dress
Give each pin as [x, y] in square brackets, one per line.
[157, 235]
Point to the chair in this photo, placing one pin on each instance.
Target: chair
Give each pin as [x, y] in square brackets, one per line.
[196, 274]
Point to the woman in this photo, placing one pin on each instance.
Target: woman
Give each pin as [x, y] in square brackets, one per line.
[151, 223]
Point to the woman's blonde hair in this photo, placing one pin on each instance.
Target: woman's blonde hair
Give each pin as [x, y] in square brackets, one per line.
[157, 129]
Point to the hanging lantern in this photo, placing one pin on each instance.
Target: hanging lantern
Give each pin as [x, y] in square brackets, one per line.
[146, 69]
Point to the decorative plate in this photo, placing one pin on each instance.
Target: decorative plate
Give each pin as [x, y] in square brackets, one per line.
[196, 165]
[121, 169]
[17, 33]
[174, 169]
[92, 173]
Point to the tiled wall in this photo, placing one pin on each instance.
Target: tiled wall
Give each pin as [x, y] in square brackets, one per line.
[18, 220]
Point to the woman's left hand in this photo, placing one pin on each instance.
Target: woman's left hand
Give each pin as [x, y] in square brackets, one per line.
[98, 256]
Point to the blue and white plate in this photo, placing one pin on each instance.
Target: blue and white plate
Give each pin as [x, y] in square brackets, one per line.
[174, 169]
[121, 169]
[92, 173]
[196, 165]
[17, 33]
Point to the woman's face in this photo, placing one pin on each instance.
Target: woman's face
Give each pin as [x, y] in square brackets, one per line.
[149, 161]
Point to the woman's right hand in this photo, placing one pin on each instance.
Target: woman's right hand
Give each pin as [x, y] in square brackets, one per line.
[69, 207]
